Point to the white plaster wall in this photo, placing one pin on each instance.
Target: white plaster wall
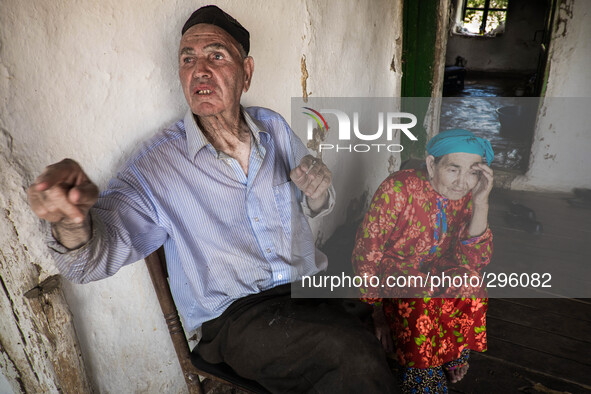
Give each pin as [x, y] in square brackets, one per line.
[350, 47]
[39, 352]
[5, 387]
[560, 157]
[89, 79]
[515, 50]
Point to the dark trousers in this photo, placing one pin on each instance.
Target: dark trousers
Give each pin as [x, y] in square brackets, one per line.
[297, 345]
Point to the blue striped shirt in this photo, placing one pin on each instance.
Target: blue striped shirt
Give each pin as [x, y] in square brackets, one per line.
[226, 234]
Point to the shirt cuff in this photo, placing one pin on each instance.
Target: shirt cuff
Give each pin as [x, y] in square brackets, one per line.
[57, 247]
[324, 211]
[71, 263]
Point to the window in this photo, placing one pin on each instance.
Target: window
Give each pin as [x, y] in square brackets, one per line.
[484, 17]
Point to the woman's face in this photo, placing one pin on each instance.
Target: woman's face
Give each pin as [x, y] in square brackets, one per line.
[455, 174]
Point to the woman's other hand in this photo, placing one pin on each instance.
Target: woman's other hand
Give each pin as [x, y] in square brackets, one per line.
[382, 329]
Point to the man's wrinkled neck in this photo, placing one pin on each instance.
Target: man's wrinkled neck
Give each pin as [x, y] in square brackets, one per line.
[228, 134]
[220, 125]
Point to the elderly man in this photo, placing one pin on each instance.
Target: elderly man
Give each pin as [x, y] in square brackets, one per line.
[227, 190]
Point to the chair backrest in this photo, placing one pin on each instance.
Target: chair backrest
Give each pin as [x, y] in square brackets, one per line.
[156, 263]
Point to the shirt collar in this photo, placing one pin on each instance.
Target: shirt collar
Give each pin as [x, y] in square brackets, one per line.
[196, 140]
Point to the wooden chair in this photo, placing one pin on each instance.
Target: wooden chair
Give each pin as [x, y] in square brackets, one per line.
[191, 363]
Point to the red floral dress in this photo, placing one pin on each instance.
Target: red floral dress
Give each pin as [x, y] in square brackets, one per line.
[411, 230]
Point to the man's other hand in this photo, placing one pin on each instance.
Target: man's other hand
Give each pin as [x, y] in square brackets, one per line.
[313, 178]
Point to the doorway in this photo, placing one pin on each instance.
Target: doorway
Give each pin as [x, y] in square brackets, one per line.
[495, 68]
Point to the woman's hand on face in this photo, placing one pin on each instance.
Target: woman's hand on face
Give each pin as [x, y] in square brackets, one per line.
[484, 185]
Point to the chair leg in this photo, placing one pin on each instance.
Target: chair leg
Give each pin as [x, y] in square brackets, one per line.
[177, 334]
[175, 327]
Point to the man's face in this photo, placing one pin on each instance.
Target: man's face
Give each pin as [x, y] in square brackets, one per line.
[455, 175]
[213, 73]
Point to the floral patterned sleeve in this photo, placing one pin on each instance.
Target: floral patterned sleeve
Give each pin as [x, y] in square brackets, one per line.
[474, 253]
[471, 254]
[374, 232]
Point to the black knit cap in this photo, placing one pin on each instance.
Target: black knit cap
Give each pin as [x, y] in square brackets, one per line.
[213, 15]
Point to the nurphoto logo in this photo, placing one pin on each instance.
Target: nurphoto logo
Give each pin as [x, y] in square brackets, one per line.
[393, 120]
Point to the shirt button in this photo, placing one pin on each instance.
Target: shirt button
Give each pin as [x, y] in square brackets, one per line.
[268, 250]
[279, 276]
[256, 219]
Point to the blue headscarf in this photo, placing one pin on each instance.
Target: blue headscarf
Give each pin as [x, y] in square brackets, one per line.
[462, 141]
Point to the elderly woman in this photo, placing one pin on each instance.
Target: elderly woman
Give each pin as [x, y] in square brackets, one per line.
[428, 224]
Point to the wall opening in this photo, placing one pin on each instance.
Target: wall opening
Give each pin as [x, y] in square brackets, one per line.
[507, 62]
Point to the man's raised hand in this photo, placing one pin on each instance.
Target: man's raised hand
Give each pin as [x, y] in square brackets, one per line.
[63, 195]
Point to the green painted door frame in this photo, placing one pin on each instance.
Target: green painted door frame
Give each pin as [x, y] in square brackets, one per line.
[420, 18]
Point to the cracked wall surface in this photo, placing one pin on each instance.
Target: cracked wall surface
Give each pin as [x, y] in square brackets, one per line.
[39, 351]
[89, 80]
[560, 151]
[352, 49]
